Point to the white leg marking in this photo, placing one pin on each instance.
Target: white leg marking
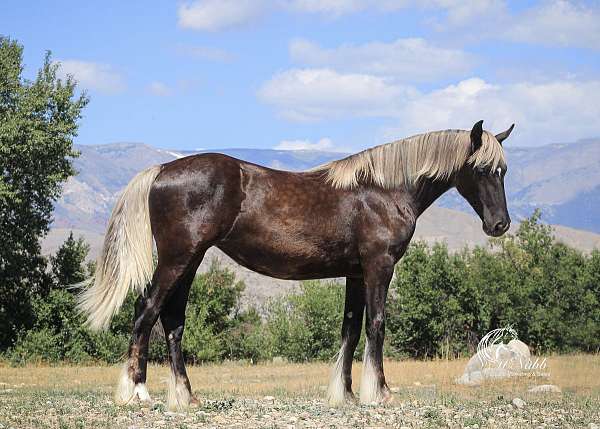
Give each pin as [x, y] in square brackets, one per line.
[178, 398]
[128, 391]
[369, 385]
[125, 388]
[141, 392]
[336, 393]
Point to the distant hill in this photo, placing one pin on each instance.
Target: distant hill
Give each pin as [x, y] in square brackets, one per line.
[564, 180]
[561, 179]
[103, 170]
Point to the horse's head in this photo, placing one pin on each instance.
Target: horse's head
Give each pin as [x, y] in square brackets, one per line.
[483, 185]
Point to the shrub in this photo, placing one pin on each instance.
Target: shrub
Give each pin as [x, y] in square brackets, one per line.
[441, 304]
[307, 325]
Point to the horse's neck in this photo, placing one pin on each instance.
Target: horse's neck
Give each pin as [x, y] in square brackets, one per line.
[426, 191]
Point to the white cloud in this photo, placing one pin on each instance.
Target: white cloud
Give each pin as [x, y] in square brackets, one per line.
[461, 12]
[93, 76]
[313, 94]
[160, 89]
[551, 111]
[544, 112]
[323, 144]
[549, 22]
[412, 59]
[342, 7]
[213, 15]
[559, 23]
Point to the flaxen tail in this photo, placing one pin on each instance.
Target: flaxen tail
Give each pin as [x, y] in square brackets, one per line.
[126, 259]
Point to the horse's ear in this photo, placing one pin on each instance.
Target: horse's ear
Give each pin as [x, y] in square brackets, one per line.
[476, 134]
[504, 135]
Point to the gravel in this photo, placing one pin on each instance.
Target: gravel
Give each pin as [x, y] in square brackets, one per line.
[93, 411]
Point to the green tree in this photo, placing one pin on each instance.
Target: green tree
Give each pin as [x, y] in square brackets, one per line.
[68, 264]
[307, 325]
[212, 312]
[38, 121]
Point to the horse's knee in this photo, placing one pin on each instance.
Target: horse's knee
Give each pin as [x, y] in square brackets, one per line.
[376, 327]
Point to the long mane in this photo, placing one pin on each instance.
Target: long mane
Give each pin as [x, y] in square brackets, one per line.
[435, 155]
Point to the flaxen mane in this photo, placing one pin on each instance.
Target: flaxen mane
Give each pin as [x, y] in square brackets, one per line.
[434, 155]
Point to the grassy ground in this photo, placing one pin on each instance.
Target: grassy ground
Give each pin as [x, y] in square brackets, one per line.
[291, 395]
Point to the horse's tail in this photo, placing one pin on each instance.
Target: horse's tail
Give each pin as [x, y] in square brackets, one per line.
[126, 259]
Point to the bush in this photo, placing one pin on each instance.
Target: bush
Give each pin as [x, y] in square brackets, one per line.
[441, 304]
[212, 313]
[307, 325]
[247, 340]
[432, 310]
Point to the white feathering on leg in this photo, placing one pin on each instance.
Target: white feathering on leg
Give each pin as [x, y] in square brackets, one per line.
[141, 392]
[179, 397]
[336, 392]
[126, 387]
[369, 385]
[127, 391]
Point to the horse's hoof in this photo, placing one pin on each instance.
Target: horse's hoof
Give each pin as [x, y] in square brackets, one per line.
[351, 398]
[387, 398]
[194, 402]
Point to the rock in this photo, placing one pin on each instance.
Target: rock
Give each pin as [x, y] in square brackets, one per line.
[545, 388]
[269, 398]
[394, 389]
[593, 426]
[520, 347]
[496, 361]
[519, 403]
[475, 378]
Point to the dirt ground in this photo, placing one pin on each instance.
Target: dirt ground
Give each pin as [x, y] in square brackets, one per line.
[282, 395]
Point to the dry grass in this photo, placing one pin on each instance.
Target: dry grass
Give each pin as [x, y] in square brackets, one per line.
[578, 374]
[27, 393]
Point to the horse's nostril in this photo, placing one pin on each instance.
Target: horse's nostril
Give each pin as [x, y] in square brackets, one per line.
[501, 226]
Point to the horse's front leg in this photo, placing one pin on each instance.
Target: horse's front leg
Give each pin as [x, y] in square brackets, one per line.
[378, 272]
[340, 383]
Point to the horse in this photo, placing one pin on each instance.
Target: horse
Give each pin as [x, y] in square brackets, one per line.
[351, 218]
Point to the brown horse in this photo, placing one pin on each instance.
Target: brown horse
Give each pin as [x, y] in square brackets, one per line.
[350, 218]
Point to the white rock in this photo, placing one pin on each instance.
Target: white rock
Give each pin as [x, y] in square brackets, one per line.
[519, 403]
[520, 347]
[545, 388]
[475, 378]
[269, 398]
[593, 426]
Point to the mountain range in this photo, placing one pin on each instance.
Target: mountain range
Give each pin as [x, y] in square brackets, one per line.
[563, 180]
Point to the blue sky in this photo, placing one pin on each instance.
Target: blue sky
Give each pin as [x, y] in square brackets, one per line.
[328, 74]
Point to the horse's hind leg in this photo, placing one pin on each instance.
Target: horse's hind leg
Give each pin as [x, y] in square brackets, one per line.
[167, 276]
[172, 318]
[340, 384]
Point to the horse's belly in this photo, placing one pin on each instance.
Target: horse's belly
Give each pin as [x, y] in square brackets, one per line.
[292, 259]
